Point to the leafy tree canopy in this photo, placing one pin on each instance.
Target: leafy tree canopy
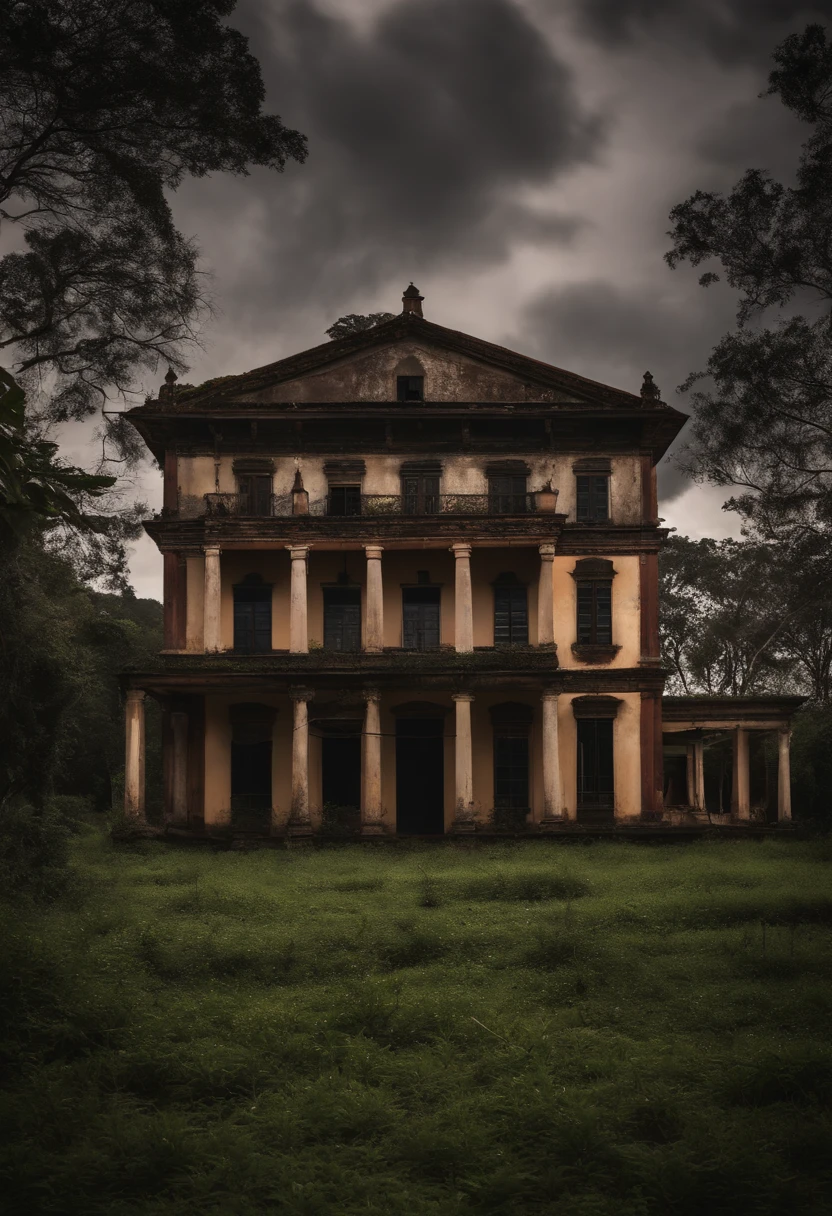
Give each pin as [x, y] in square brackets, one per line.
[765, 424]
[356, 323]
[105, 105]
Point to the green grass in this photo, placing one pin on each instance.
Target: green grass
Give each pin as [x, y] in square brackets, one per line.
[600, 1030]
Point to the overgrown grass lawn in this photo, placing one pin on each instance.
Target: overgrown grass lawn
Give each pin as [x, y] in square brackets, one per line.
[529, 1028]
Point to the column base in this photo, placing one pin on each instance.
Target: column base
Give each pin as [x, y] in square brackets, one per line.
[463, 827]
[549, 822]
[373, 829]
[299, 828]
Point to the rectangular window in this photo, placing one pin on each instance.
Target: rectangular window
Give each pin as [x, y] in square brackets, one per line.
[410, 388]
[344, 500]
[511, 772]
[420, 493]
[594, 613]
[252, 619]
[593, 497]
[506, 493]
[511, 615]
[255, 494]
[420, 618]
[342, 618]
[595, 764]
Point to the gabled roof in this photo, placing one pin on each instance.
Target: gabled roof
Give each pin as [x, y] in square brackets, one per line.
[229, 390]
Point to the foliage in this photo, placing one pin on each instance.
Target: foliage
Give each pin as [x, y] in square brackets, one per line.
[765, 424]
[300, 1032]
[61, 647]
[811, 764]
[355, 323]
[33, 850]
[105, 106]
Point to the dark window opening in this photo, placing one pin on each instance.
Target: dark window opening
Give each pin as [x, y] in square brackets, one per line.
[593, 498]
[344, 500]
[594, 613]
[420, 791]
[420, 492]
[251, 765]
[341, 777]
[255, 494]
[410, 388]
[252, 616]
[511, 614]
[506, 493]
[511, 772]
[595, 764]
[342, 618]
[420, 618]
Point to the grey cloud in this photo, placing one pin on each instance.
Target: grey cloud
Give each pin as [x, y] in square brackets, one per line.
[758, 134]
[423, 133]
[614, 335]
[732, 31]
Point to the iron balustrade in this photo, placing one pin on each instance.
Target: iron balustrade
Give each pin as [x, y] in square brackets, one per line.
[281, 505]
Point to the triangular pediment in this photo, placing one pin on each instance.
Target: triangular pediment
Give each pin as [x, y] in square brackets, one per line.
[364, 367]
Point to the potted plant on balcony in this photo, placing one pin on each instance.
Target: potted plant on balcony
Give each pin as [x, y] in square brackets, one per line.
[546, 499]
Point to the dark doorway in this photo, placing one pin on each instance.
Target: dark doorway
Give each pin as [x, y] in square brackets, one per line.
[420, 773]
[420, 618]
[342, 618]
[596, 798]
[341, 771]
[251, 766]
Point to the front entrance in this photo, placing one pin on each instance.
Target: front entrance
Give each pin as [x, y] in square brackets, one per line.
[341, 772]
[420, 777]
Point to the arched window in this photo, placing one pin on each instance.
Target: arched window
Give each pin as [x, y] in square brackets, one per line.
[511, 611]
[252, 615]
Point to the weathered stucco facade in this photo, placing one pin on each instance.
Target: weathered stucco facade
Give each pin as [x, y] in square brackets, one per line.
[411, 587]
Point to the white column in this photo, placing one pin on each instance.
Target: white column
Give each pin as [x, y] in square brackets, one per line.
[690, 775]
[553, 807]
[374, 605]
[699, 775]
[371, 811]
[545, 598]
[134, 755]
[299, 818]
[212, 602]
[178, 811]
[464, 764]
[784, 781]
[298, 626]
[463, 599]
[741, 793]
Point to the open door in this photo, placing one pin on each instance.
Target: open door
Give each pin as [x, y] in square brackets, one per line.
[420, 777]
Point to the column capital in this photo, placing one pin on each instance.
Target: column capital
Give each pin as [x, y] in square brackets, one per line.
[374, 551]
[462, 696]
[298, 552]
[461, 548]
[211, 550]
[372, 694]
[547, 552]
[135, 694]
[549, 694]
[301, 694]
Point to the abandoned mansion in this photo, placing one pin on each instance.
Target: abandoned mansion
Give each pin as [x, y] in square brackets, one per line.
[411, 587]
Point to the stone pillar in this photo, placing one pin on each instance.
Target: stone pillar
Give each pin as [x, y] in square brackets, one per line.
[690, 774]
[212, 602]
[699, 775]
[178, 809]
[371, 812]
[463, 599]
[134, 756]
[374, 604]
[298, 626]
[464, 764]
[545, 599]
[741, 791]
[784, 781]
[553, 808]
[300, 822]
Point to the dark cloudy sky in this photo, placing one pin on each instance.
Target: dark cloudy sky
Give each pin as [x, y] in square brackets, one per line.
[517, 159]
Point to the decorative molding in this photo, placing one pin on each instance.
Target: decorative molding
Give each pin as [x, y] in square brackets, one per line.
[594, 652]
[595, 707]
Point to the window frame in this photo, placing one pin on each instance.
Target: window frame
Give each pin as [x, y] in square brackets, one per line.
[342, 488]
[329, 592]
[416, 591]
[252, 593]
[405, 388]
[595, 492]
[504, 585]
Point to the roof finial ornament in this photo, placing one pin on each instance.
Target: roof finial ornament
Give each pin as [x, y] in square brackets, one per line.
[412, 301]
[167, 388]
[650, 391]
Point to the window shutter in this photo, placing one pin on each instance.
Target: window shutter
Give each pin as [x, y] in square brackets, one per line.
[585, 612]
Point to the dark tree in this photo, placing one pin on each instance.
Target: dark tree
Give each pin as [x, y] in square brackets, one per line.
[764, 424]
[104, 106]
[355, 323]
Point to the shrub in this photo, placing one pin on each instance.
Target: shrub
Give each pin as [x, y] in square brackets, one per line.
[33, 850]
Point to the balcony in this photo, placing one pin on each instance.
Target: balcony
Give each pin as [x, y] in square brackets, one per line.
[280, 506]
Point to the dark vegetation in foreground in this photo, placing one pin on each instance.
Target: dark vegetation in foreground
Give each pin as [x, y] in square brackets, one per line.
[605, 1029]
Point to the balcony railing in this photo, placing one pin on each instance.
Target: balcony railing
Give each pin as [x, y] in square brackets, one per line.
[281, 506]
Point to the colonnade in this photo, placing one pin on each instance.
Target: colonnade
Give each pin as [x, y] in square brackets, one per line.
[373, 632]
[741, 783]
[372, 809]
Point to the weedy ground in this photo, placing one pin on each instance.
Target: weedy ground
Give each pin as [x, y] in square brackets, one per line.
[597, 1030]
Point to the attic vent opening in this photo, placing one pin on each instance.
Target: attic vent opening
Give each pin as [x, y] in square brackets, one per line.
[410, 388]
